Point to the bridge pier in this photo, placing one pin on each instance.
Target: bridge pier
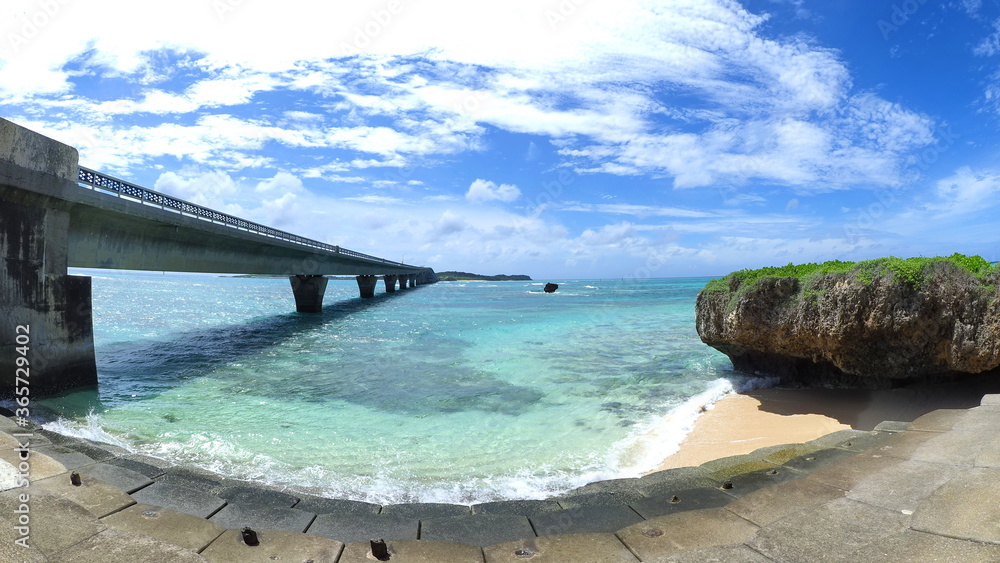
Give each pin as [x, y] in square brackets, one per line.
[390, 283]
[47, 327]
[308, 292]
[366, 285]
[412, 279]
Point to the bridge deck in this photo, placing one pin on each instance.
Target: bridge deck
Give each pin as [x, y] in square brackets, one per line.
[117, 224]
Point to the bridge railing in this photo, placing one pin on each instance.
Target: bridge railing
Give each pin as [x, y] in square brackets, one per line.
[92, 179]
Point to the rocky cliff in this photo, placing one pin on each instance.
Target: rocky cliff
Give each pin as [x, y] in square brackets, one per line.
[870, 324]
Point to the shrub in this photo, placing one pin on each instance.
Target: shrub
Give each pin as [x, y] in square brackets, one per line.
[911, 271]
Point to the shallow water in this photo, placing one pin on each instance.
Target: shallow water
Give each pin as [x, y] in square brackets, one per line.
[454, 392]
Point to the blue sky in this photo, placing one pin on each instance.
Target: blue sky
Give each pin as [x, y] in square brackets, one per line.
[561, 139]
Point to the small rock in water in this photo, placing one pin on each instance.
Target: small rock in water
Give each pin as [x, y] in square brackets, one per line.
[551, 287]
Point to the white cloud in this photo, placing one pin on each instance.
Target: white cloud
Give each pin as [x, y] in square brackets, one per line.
[640, 211]
[211, 189]
[229, 141]
[283, 212]
[483, 190]
[775, 251]
[989, 45]
[967, 191]
[583, 80]
[972, 6]
[450, 223]
[207, 93]
[618, 236]
[864, 142]
[282, 181]
[303, 116]
[377, 199]
[800, 11]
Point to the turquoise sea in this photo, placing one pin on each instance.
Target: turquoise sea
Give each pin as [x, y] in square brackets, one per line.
[454, 392]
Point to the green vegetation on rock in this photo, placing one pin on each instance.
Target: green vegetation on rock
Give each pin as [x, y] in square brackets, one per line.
[911, 271]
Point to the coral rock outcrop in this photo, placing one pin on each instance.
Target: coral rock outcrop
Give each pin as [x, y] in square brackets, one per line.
[851, 329]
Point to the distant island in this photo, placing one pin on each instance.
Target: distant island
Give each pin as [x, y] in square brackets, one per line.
[466, 276]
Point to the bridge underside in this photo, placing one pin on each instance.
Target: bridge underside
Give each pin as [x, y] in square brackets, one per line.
[48, 224]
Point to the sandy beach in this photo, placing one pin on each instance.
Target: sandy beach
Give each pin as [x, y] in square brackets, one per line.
[740, 423]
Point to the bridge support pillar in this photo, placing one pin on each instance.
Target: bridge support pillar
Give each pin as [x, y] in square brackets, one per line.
[46, 332]
[412, 279]
[390, 283]
[366, 284]
[308, 291]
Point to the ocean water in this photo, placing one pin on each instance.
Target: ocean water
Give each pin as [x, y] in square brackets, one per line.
[455, 392]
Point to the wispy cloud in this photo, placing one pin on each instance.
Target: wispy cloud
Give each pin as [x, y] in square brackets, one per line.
[967, 191]
[990, 45]
[379, 199]
[640, 211]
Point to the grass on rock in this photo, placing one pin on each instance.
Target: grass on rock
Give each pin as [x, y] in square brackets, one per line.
[911, 271]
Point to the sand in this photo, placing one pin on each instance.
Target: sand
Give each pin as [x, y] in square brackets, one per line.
[736, 425]
[741, 423]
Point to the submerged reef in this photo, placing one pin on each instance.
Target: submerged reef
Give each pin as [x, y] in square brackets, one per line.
[872, 324]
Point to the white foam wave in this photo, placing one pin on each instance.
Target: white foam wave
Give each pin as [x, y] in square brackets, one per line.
[646, 448]
[386, 486]
[526, 484]
[650, 444]
[90, 428]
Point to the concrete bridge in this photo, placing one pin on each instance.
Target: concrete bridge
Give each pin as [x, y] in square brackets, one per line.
[55, 215]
